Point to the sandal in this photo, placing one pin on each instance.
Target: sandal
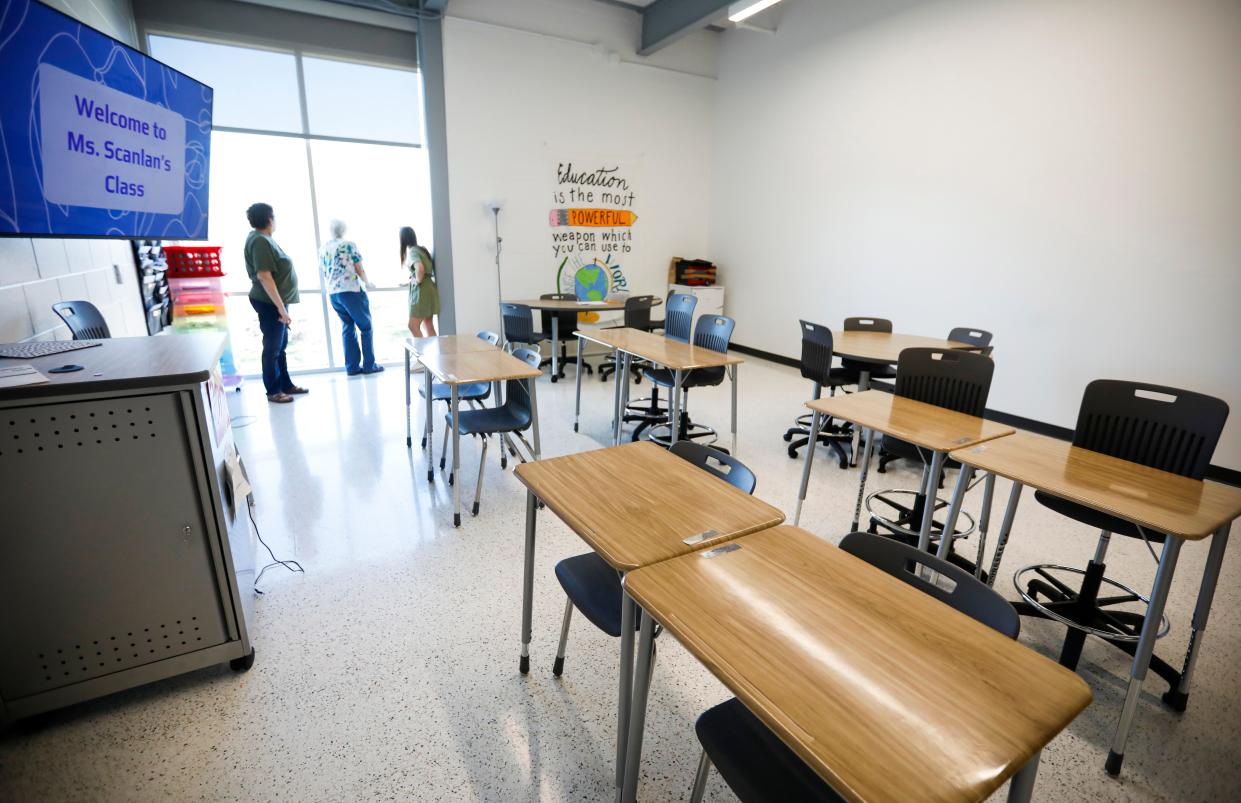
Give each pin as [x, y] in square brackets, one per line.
[296, 391]
[280, 398]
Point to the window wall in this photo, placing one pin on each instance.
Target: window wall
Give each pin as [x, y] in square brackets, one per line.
[319, 139]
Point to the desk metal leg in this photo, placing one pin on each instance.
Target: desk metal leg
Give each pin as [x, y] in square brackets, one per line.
[527, 583]
[674, 408]
[984, 521]
[428, 429]
[618, 413]
[455, 476]
[534, 419]
[1006, 527]
[1021, 786]
[623, 362]
[628, 610]
[954, 510]
[637, 716]
[869, 436]
[555, 345]
[928, 509]
[734, 373]
[577, 405]
[409, 432]
[1178, 697]
[863, 383]
[815, 422]
[1142, 657]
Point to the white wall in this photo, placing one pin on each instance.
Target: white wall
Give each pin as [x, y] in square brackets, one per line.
[1064, 173]
[516, 101]
[34, 274]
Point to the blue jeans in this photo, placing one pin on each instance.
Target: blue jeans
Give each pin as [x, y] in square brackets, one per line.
[275, 340]
[354, 310]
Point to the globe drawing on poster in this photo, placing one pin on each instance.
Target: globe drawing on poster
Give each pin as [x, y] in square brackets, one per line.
[592, 226]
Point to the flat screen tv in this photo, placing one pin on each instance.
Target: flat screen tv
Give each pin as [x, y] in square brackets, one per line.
[96, 139]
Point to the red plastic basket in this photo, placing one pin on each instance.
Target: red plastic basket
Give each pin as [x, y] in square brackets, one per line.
[191, 262]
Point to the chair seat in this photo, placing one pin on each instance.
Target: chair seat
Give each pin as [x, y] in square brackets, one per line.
[694, 378]
[752, 760]
[489, 420]
[476, 391]
[1095, 518]
[595, 589]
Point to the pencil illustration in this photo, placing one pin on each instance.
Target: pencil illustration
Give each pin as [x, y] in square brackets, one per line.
[603, 218]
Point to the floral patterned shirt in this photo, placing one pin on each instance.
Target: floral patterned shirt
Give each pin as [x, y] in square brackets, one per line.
[337, 259]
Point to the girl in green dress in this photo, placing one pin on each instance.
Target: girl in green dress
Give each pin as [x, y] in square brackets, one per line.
[424, 297]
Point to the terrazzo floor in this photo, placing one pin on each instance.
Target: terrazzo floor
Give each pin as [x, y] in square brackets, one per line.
[388, 670]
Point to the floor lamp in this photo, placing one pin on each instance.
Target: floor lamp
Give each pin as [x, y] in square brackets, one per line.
[495, 207]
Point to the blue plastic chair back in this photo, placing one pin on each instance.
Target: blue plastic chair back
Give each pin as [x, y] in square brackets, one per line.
[518, 323]
[951, 378]
[679, 316]
[868, 324]
[517, 391]
[816, 352]
[713, 461]
[490, 337]
[714, 332]
[83, 319]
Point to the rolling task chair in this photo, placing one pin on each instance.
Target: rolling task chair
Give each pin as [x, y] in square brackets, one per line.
[755, 763]
[816, 365]
[518, 320]
[567, 325]
[678, 318]
[1165, 428]
[961, 334]
[637, 316]
[950, 378]
[512, 418]
[712, 332]
[83, 319]
[594, 587]
[474, 393]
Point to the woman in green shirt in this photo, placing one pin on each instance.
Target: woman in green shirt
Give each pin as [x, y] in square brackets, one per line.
[424, 296]
[273, 286]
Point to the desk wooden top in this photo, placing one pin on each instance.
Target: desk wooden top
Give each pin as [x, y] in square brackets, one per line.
[921, 424]
[564, 305]
[448, 344]
[661, 350]
[1162, 501]
[887, 693]
[886, 347]
[476, 366]
[635, 504]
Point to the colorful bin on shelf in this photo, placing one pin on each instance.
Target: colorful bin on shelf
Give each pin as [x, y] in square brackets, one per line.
[196, 285]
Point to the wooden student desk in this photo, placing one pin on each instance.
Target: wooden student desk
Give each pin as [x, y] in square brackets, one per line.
[574, 305]
[651, 506]
[934, 428]
[674, 355]
[455, 362]
[1183, 508]
[887, 693]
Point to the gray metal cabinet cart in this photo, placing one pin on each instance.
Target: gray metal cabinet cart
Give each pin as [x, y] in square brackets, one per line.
[124, 557]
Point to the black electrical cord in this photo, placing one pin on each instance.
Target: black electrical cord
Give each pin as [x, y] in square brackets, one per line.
[291, 565]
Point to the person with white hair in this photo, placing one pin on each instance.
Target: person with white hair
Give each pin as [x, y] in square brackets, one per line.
[345, 281]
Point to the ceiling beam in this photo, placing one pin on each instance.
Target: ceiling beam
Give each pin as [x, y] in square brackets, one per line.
[665, 21]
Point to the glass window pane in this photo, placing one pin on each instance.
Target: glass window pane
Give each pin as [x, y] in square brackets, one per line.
[307, 347]
[253, 88]
[375, 190]
[246, 168]
[390, 323]
[344, 99]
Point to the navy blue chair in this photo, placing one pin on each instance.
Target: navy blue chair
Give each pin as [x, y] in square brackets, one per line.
[83, 319]
[816, 365]
[518, 321]
[753, 761]
[678, 318]
[855, 367]
[474, 393]
[712, 332]
[1165, 428]
[594, 587]
[510, 419]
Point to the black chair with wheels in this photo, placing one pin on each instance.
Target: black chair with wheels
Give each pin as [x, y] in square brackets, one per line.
[658, 325]
[594, 587]
[678, 318]
[755, 763]
[816, 365]
[83, 319]
[637, 315]
[950, 378]
[508, 420]
[566, 326]
[961, 334]
[856, 367]
[1165, 428]
[473, 394]
[518, 321]
[711, 332]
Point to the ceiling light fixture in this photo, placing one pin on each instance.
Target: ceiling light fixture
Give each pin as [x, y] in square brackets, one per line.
[745, 9]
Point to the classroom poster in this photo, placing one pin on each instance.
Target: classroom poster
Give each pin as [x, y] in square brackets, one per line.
[592, 223]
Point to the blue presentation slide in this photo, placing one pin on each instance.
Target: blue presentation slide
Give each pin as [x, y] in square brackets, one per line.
[96, 139]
